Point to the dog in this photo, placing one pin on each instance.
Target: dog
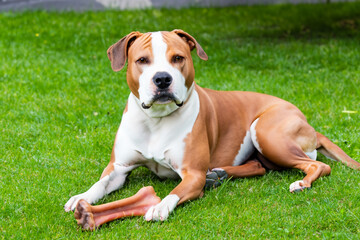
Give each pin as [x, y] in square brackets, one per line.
[178, 129]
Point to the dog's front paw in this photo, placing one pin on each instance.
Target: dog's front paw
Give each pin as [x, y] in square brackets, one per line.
[298, 186]
[73, 201]
[162, 210]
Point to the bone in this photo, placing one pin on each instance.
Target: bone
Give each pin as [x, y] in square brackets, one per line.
[91, 217]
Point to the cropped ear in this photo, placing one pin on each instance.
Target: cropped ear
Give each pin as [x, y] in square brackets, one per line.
[118, 52]
[192, 43]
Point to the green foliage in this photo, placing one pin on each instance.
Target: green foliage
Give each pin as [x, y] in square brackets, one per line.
[61, 104]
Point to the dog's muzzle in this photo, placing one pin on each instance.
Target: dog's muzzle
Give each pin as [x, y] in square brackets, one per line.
[163, 95]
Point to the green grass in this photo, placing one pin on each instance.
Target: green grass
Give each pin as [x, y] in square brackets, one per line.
[61, 104]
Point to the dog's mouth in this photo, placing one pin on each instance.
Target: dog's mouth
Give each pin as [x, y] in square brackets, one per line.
[163, 97]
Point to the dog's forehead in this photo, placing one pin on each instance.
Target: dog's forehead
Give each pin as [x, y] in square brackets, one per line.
[173, 42]
[141, 43]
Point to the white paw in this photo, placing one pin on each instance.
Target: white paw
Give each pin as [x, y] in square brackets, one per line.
[162, 210]
[97, 191]
[73, 201]
[297, 186]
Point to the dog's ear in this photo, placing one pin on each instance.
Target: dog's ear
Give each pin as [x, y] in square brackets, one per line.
[118, 52]
[190, 40]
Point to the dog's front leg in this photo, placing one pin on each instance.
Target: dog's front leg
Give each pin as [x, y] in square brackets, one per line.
[105, 185]
[195, 164]
[190, 187]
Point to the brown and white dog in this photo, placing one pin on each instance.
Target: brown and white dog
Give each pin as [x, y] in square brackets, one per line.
[178, 129]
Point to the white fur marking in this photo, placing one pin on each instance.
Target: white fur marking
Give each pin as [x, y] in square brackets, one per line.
[253, 135]
[148, 140]
[159, 49]
[312, 155]
[295, 186]
[246, 149]
[162, 210]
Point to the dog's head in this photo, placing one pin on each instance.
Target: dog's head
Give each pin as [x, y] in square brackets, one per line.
[160, 70]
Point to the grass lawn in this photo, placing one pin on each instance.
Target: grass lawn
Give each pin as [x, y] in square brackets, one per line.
[61, 104]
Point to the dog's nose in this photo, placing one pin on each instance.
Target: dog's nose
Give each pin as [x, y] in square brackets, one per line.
[162, 80]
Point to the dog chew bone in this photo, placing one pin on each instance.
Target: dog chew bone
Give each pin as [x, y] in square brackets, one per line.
[91, 217]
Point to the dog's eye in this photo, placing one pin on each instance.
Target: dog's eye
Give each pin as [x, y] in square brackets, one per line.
[177, 59]
[142, 60]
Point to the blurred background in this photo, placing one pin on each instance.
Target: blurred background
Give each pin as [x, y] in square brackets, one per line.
[81, 5]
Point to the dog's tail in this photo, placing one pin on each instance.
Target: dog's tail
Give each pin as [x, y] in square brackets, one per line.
[332, 151]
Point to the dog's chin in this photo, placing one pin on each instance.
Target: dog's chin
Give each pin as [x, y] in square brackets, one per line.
[162, 99]
[166, 99]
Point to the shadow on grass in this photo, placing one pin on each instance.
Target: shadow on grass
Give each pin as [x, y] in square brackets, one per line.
[303, 21]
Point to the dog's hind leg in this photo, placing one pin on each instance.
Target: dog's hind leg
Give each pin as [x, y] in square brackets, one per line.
[216, 176]
[313, 170]
[284, 138]
[249, 169]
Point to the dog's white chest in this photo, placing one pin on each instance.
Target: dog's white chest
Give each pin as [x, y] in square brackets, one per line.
[157, 143]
